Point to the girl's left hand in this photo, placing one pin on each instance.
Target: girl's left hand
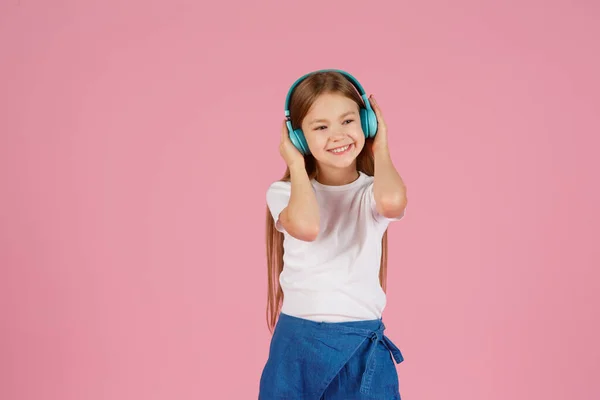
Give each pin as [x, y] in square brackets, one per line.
[381, 139]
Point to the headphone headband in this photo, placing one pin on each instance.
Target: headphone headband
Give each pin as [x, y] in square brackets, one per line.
[352, 79]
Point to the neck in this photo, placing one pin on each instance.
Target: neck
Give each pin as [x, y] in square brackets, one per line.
[336, 176]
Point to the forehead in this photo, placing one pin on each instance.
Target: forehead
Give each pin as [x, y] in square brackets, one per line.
[331, 105]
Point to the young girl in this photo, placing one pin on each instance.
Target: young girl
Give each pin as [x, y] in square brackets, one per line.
[327, 221]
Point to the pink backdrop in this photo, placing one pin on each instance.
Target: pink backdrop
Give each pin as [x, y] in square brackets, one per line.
[138, 139]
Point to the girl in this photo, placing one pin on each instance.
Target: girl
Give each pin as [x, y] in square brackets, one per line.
[327, 222]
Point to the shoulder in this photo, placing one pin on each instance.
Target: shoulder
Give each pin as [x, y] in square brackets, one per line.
[279, 187]
[367, 180]
[366, 184]
[278, 196]
[278, 193]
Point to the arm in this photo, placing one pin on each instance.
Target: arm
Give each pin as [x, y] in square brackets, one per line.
[388, 187]
[301, 216]
[389, 190]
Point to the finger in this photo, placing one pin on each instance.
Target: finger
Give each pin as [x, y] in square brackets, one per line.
[375, 105]
[283, 130]
[377, 111]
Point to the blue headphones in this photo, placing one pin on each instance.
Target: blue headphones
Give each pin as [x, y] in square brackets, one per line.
[368, 119]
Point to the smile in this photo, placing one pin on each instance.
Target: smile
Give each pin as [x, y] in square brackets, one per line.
[342, 150]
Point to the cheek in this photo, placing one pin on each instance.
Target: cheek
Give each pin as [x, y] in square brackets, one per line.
[359, 139]
[313, 139]
[356, 131]
[358, 135]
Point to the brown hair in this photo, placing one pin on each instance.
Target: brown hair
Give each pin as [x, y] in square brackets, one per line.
[302, 99]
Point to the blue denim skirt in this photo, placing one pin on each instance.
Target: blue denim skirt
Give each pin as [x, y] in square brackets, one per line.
[325, 361]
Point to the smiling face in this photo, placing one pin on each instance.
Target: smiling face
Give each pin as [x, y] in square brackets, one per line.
[333, 131]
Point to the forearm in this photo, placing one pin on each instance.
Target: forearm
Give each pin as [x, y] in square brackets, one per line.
[303, 209]
[389, 189]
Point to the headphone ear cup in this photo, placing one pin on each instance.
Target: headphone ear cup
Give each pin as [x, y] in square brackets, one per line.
[368, 121]
[372, 121]
[298, 140]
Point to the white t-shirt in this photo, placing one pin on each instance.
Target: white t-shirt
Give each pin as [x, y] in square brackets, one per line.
[334, 278]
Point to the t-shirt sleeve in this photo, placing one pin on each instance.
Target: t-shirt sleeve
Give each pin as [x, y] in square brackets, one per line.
[370, 197]
[278, 197]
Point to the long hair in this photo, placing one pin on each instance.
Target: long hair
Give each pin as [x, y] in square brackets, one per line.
[302, 99]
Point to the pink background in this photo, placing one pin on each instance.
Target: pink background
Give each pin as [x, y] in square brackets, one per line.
[138, 138]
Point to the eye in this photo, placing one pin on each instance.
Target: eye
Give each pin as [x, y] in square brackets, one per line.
[348, 121]
[320, 128]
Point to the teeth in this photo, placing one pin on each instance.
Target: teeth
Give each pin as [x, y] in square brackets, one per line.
[339, 150]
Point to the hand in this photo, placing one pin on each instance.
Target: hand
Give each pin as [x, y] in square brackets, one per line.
[288, 151]
[381, 138]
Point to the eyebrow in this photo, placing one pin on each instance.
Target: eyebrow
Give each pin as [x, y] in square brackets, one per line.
[314, 121]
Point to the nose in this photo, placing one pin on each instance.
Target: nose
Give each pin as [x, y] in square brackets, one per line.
[337, 135]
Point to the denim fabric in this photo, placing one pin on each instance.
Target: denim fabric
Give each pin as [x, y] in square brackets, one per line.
[325, 361]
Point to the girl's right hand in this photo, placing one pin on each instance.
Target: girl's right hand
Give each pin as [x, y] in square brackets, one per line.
[288, 151]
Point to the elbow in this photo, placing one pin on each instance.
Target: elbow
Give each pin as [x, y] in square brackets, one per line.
[393, 207]
[301, 229]
[306, 232]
